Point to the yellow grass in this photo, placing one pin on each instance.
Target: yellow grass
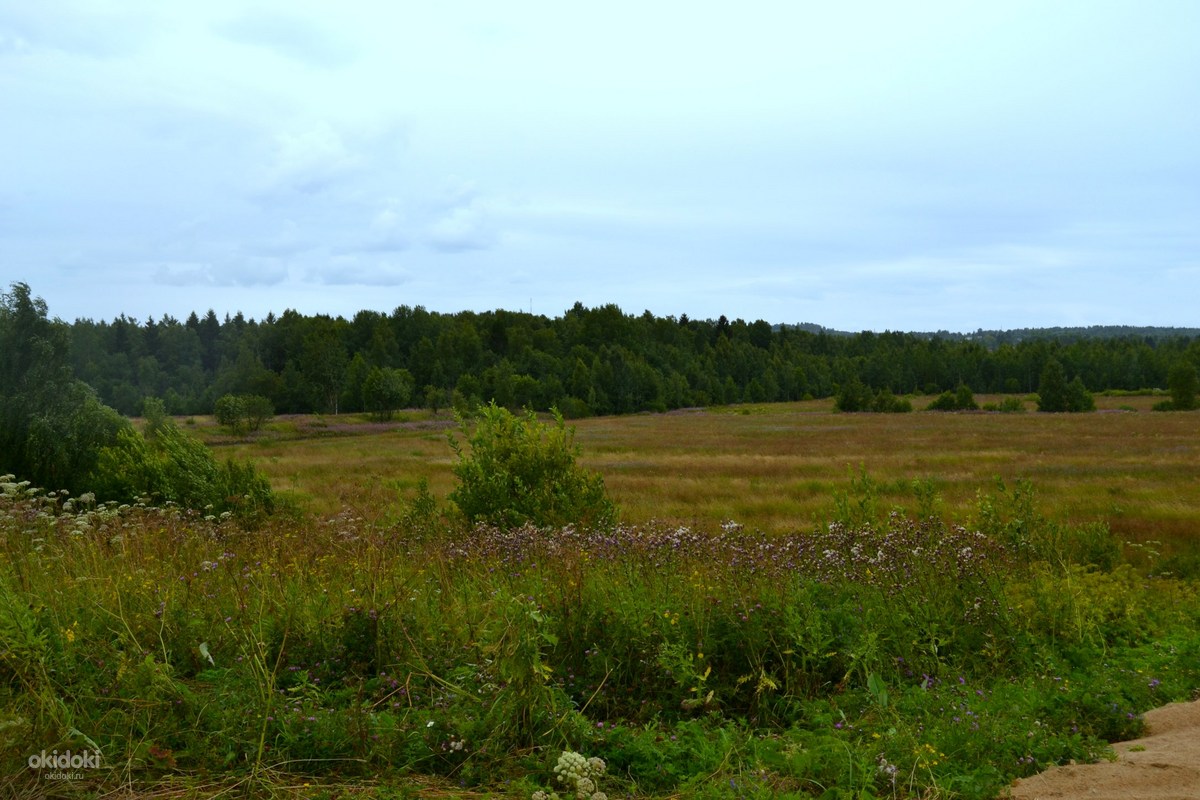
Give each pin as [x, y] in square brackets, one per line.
[779, 467]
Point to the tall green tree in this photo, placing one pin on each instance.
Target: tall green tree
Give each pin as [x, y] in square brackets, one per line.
[325, 363]
[1184, 384]
[52, 425]
[1052, 388]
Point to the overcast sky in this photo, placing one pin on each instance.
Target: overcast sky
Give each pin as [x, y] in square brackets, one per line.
[862, 165]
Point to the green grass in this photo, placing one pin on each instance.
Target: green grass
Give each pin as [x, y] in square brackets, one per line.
[818, 647]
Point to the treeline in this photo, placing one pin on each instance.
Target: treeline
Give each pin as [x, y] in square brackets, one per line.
[587, 361]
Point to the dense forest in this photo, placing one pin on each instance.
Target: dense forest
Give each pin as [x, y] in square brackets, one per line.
[588, 361]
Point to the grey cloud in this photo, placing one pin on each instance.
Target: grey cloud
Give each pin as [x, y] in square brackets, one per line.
[290, 241]
[249, 271]
[358, 271]
[178, 274]
[290, 37]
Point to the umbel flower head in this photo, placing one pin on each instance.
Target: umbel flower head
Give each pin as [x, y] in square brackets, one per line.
[578, 775]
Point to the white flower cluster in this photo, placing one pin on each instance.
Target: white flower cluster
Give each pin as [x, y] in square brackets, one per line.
[579, 775]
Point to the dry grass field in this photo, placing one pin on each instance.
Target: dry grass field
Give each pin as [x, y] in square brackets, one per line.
[782, 466]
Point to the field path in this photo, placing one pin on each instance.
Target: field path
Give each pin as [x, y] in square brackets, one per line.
[1165, 765]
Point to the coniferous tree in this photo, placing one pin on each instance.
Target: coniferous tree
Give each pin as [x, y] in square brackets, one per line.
[1052, 388]
[1183, 383]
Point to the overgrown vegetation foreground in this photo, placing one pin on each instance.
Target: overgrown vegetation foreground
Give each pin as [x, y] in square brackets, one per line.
[891, 657]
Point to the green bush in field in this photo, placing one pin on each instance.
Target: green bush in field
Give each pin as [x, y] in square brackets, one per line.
[1055, 394]
[519, 471]
[242, 413]
[167, 465]
[1184, 385]
[962, 399]
[385, 390]
[857, 396]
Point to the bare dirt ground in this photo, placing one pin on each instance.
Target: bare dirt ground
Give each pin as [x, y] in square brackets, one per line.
[1164, 765]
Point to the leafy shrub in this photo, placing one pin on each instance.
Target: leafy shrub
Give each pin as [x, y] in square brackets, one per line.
[854, 395]
[228, 411]
[1055, 394]
[243, 413]
[1184, 384]
[167, 465]
[258, 410]
[887, 403]
[1011, 405]
[521, 471]
[386, 390]
[962, 399]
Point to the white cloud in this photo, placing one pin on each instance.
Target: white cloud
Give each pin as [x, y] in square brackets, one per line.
[354, 270]
[291, 36]
[463, 228]
[183, 274]
[244, 271]
[309, 160]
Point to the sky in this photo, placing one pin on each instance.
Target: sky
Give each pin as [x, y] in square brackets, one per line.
[861, 164]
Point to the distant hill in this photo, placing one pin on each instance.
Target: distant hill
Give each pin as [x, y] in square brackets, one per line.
[1069, 335]
[995, 338]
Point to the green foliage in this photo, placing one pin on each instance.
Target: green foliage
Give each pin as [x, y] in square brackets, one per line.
[242, 413]
[1052, 388]
[519, 470]
[228, 411]
[887, 403]
[52, 426]
[890, 660]
[259, 409]
[586, 362]
[386, 390]
[856, 396]
[1011, 405]
[1078, 397]
[1184, 383]
[166, 464]
[961, 399]
[325, 362]
[1055, 394]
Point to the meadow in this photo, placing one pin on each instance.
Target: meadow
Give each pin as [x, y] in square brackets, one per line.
[795, 603]
[787, 466]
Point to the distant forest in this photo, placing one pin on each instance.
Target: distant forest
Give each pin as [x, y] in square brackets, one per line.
[587, 361]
